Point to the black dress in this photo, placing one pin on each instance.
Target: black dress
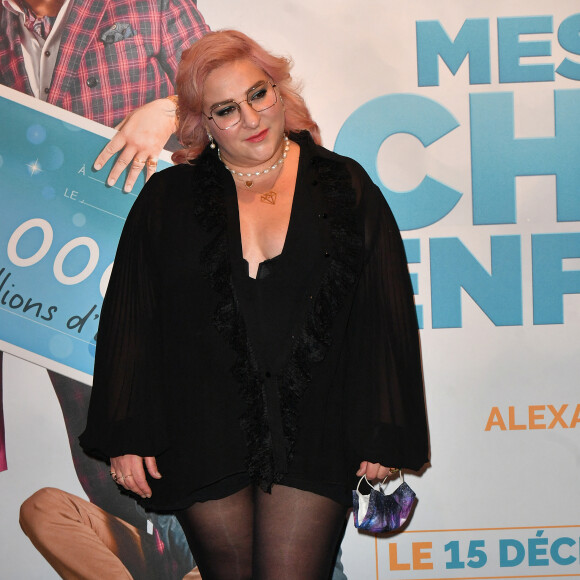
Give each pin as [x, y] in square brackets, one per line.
[294, 377]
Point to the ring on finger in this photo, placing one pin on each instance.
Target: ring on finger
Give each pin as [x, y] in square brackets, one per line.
[152, 162]
[140, 161]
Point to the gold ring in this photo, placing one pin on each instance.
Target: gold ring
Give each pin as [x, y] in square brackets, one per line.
[393, 470]
[141, 161]
[152, 163]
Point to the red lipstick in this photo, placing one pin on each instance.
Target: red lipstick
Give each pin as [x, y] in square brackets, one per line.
[258, 136]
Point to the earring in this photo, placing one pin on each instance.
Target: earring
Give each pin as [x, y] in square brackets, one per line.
[211, 142]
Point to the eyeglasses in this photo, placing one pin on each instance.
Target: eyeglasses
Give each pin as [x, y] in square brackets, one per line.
[260, 97]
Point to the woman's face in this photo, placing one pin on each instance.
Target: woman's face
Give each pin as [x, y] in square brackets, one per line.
[256, 139]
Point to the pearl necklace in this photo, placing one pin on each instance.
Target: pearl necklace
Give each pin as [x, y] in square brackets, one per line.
[250, 182]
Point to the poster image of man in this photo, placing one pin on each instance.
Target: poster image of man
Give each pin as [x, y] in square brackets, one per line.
[103, 60]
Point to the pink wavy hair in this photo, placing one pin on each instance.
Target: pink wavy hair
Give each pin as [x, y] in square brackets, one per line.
[214, 50]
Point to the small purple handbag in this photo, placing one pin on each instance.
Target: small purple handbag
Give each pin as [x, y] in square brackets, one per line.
[379, 511]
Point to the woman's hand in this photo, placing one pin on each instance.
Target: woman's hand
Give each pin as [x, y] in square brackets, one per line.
[128, 472]
[141, 136]
[374, 470]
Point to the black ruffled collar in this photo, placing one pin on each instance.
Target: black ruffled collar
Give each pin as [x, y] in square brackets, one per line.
[212, 182]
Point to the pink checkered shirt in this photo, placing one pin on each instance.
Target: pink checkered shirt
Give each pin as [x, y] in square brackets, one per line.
[114, 56]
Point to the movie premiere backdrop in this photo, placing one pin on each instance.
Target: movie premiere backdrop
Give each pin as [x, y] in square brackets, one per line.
[467, 115]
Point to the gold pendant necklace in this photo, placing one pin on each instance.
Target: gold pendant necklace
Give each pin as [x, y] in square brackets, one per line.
[269, 197]
[250, 182]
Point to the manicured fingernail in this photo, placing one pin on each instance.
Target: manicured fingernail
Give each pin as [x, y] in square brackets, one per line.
[111, 181]
[97, 166]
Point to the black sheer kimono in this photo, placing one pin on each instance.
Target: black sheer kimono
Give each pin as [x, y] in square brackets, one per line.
[292, 378]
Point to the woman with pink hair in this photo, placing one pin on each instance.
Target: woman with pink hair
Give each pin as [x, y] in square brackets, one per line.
[258, 347]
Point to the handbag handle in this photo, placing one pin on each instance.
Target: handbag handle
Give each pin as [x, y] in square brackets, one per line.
[382, 482]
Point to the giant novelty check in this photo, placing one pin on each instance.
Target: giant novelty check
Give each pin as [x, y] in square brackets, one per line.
[59, 228]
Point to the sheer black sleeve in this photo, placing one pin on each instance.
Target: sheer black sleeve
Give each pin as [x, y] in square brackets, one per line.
[384, 381]
[126, 411]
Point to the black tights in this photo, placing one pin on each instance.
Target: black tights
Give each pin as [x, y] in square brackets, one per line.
[289, 534]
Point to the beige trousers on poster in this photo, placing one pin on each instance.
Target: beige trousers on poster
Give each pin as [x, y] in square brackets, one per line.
[83, 542]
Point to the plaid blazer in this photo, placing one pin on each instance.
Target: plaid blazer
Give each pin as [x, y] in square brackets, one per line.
[114, 56]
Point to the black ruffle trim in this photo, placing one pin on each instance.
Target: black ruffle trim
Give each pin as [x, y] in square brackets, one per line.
[312, 343]
[215, 262]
